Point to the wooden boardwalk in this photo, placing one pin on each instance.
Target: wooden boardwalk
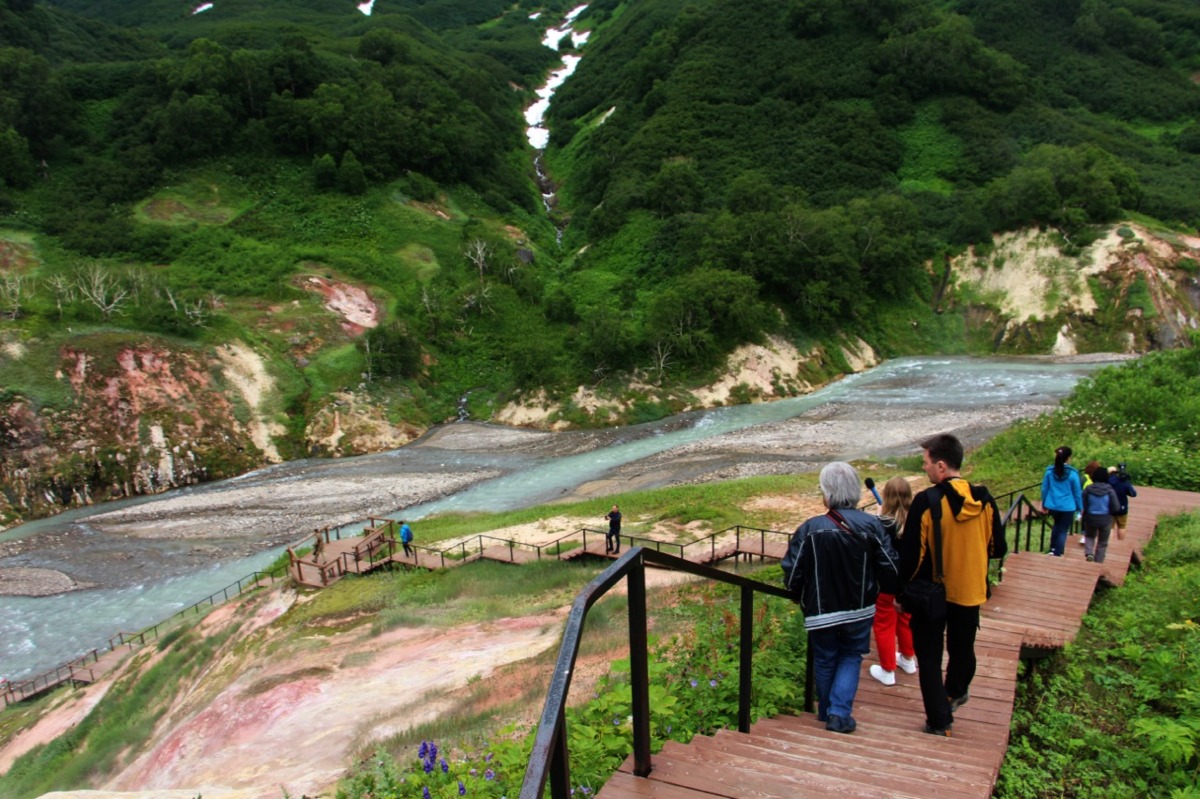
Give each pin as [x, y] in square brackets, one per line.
[1036, 609]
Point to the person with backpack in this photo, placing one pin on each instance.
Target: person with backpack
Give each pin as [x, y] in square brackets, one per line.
[406, 538]
[1100, 506]
[1062, 498]
[1119, 479]
[952, 530]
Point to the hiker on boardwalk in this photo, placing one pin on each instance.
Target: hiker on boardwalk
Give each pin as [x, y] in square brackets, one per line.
[834, 566]
[318, 551]
[406, 537]
[1100, 506]
[1085, 477]
[612, 539]
[1062, 498]
[1119, 479]
[953, 528]
[893, 638]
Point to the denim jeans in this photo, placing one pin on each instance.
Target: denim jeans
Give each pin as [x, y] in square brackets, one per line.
[837, 655]
[1063, 519]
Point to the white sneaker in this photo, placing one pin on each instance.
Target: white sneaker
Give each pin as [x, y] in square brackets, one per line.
[907, 665]
[885, 677]
[1083, 539]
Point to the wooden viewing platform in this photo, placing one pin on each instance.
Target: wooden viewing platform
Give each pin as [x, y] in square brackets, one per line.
[377, 548]
[1036, 609]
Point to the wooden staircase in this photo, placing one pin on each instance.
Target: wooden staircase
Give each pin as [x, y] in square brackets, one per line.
[1035, 610]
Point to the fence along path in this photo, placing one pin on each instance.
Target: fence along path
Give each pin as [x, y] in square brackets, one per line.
[1036, 609]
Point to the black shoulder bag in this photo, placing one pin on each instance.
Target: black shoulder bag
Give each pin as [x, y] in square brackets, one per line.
[927, 598]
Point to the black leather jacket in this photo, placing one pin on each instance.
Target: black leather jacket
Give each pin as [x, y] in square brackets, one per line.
[836, 574]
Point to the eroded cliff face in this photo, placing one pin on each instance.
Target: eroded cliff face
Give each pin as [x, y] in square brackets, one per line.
[1132, 290]
[140, 417]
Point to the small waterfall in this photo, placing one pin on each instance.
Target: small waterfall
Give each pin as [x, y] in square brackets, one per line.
[537, 133]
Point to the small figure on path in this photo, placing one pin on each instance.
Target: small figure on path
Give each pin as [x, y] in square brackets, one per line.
[835, 565]
[612, 539]
[893, 637]
[1100, 506]
[1062, 498]
[1119, 479]
[318, 551]
[962, 524]
[406, 537]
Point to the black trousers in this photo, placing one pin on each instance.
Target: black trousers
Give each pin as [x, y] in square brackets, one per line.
[612, 541]
[956, 635]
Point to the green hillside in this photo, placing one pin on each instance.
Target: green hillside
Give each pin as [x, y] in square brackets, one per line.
[725, 171]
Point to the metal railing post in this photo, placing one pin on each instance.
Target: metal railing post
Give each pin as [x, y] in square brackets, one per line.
[745, 659]
[639, 668]
[560, 762]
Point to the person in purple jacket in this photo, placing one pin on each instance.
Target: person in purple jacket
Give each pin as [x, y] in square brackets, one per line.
[1100, 506]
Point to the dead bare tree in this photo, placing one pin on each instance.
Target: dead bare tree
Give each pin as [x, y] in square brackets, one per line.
[11, 290]
[64, 292]
[661, 355]
[99, 287]
[478, 251]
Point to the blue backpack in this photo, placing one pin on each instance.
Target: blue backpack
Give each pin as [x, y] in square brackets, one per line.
[1099, 504]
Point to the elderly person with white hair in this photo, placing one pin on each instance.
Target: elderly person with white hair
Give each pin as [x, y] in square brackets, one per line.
[835, 565]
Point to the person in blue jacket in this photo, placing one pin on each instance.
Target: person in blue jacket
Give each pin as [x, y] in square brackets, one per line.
[1062, 498]
[406, 538]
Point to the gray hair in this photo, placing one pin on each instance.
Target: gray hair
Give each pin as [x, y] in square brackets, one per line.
[839, 484]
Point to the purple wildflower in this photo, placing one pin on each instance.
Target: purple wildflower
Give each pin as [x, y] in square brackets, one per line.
[694, 683]
[424, 750]
[712, 683]
[428, 766]
[445, 766]
[488, 757]
[473, 772]
[489, 775]
[425, 793]
[462, 789]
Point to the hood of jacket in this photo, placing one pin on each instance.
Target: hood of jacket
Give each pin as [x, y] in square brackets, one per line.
[958, 495]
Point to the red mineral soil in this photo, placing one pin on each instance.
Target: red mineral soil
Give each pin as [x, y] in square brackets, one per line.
[356, 308]
[296, 719]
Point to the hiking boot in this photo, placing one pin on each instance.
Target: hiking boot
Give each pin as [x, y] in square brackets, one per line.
[907, 665]
[841, 724]
[945, 731]
[958, 701]
[883, 675]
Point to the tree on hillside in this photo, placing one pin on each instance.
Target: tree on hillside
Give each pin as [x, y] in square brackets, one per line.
[102, 289]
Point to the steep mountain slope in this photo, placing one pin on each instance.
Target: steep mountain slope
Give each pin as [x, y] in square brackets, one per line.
[738, 181]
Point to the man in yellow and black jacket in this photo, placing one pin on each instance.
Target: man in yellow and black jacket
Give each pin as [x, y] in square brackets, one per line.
[972, 532]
